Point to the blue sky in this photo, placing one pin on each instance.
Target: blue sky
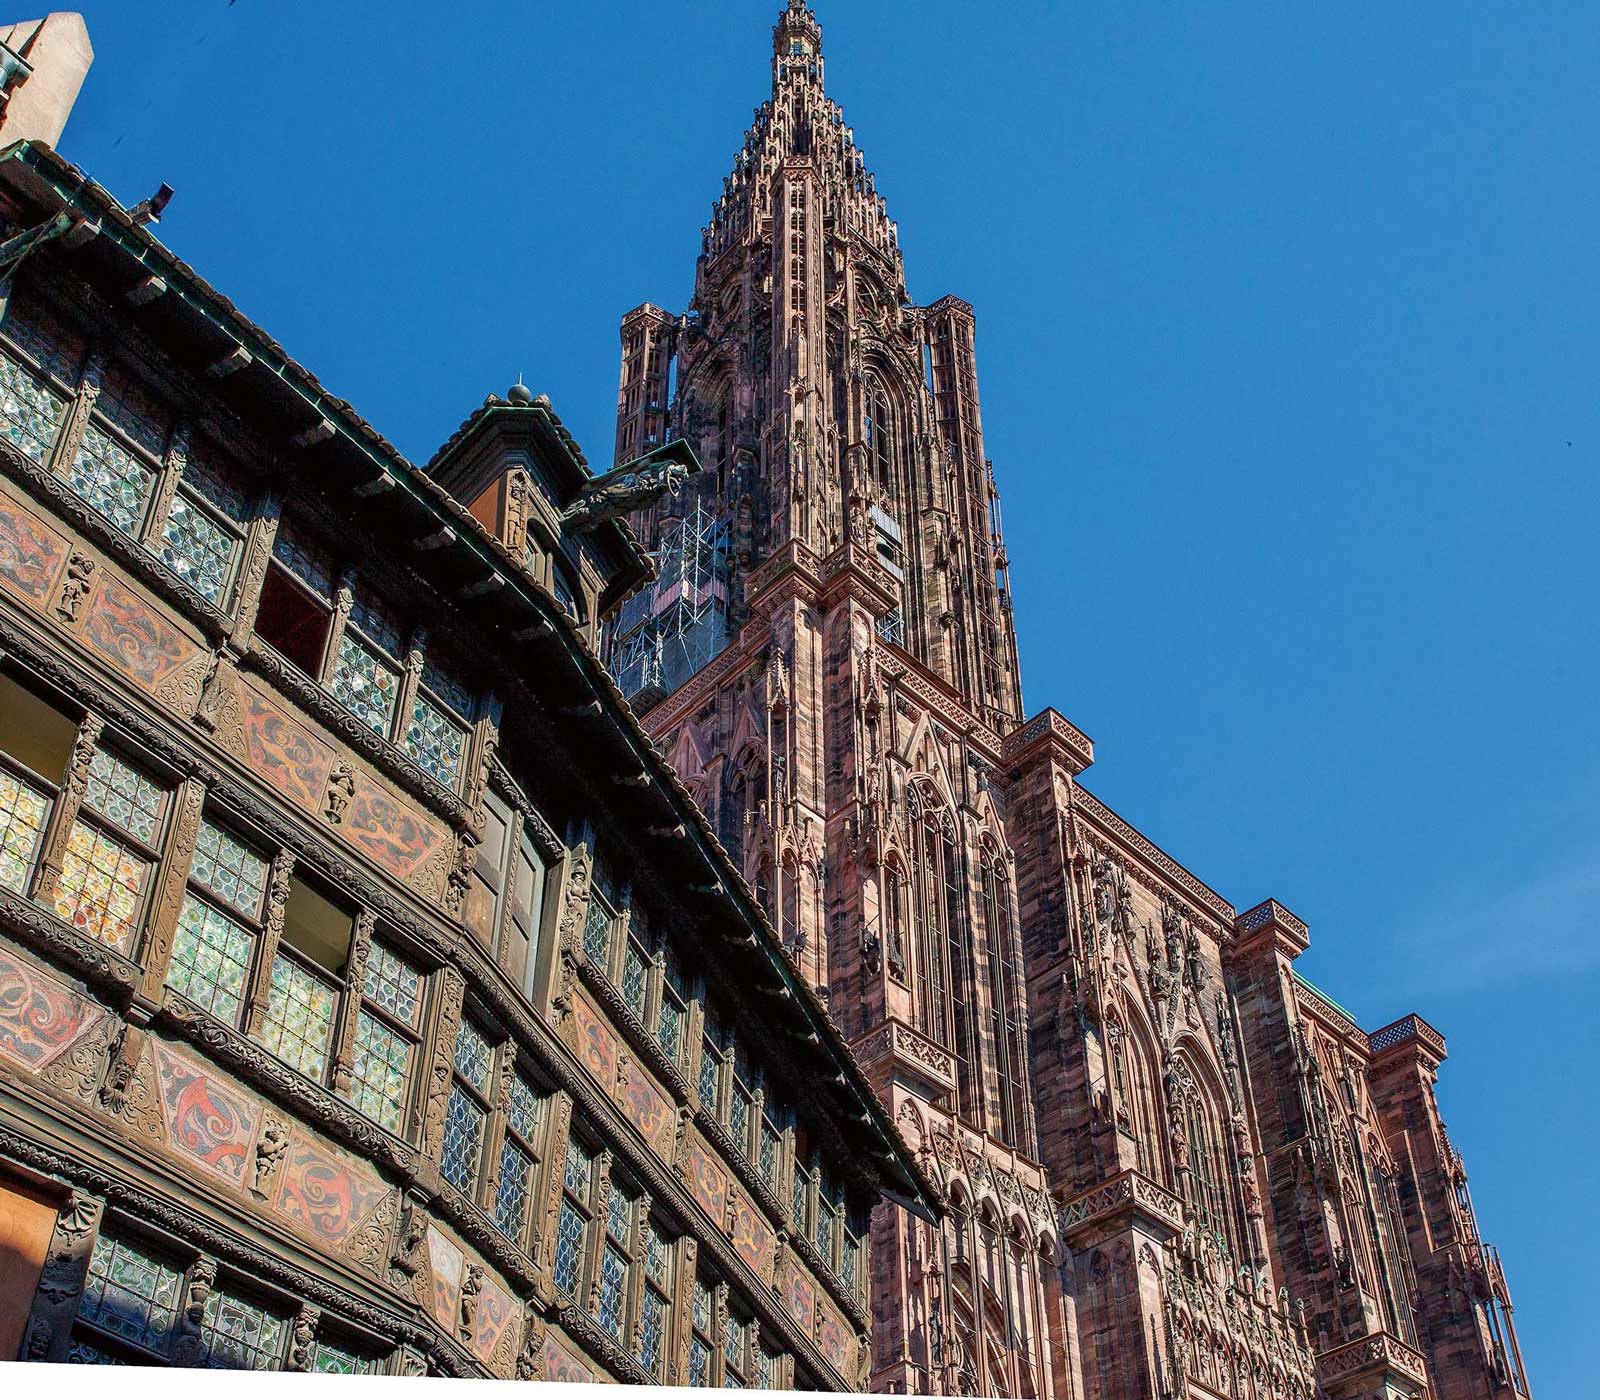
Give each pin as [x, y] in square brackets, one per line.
[1287, 321]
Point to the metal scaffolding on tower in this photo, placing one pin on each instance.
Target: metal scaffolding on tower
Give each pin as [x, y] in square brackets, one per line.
[666, 633]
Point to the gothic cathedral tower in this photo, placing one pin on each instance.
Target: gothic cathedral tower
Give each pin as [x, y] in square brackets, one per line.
[830, 661]
[1172, 1167]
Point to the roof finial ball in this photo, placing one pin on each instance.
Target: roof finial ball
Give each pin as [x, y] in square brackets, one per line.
[519, 393]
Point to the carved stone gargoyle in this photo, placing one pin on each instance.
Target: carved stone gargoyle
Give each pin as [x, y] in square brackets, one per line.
[632, 485]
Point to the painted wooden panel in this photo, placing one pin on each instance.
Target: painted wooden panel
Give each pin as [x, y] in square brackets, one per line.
[208, 1120]
[283, 752]
[561, 1363]
[752, 1238]
[651, 1112]
[708, 1183]
[395, 835]
[799, 1295]
[497, 1314]
[32, 555]
[447, 1268]
[134, 638]
[40, 1017]
[323, 1191]
[595, 1042]
[835, 1341]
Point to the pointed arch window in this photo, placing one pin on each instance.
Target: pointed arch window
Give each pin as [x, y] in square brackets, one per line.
[1205, 1189]
[880, 435]
[1004, 1000]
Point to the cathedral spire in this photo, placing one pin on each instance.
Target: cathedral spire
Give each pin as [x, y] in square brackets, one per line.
[796, 46]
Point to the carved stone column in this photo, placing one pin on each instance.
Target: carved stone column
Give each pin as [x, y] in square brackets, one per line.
[53, 847]
[66, 1266]
[161, 924]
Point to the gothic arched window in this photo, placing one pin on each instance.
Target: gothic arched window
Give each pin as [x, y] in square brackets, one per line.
[1005, 1008]
[1205, 1179]
[880, 435]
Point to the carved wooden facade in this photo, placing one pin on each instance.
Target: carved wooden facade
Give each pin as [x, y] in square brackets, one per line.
[372, 997]
[1167, 1173]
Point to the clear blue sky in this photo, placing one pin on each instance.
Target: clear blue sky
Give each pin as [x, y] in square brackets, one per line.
[1287, 323]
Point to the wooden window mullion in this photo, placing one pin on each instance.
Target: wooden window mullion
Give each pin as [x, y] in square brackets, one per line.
[599, 1203]
[344, 602]
[633, 1332]
[410, 683]
[278, 878]
[260, 537]
[70, 435]
[165, 488]
[342, 1058]
[494, 1125]
[171, 884]
[547, 1218]
[64, 811]
[678, 1340]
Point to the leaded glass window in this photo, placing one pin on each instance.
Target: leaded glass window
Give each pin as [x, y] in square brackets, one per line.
[298, 1024]
[364, 684]
[199, 550]
[385, 1046]
[770, 1150]
[131, 1294]
[597, 923]
[435, 741]
[615, 1261]
[655, 1324]
[635, 978]
[57, 348]
[238, 1335]
[111, 852]
[380, 1071]
[218, 924]
[335, 1361]
[467, 1110]
[211, 959]
[111, 479]
[572, 1234]
[701, 1345]
[513, 1189]
[673, 1018]
[124, 402]
[463, 1140]
[30, 414]
[24, 809]
[850, 1262]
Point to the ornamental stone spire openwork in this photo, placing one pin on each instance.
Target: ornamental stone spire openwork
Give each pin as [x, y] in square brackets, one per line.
[827, 407]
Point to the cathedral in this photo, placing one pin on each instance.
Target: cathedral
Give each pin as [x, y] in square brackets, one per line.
[1170, 1165]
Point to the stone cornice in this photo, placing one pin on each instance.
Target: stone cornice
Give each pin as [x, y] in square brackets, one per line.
[1269, 920]
[1090, 807]
[1410, 1033]
[1369, 1357]
[1086, 1216]
[1048, 733]
[895, 1045]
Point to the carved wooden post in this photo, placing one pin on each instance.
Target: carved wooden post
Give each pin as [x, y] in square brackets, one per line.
[447, 1024]
[71, 434]
[53, 847]
[355, 977]
[166, 487]
[494, 1130]
[66, 1266]
[344, 602]
[682, 1313]
[530, 1360]
[597, 1233]
[719, 1329]
[260, 990]
[190, 1343]
[260, 538]
[161, 925]
[637, 1252]
[548, 1219]
[410, 678]
[303, 1338]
